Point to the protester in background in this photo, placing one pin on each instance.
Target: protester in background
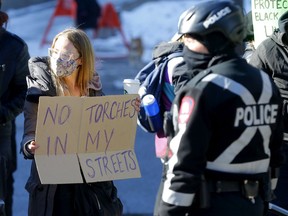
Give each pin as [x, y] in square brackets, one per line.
[271, 56]
[14, 58]
[221, 155]
[69, 70]
[249, 40]
[88, 13]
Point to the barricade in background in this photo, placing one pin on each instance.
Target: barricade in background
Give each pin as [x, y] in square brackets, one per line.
[63, 8]
[108, 24]
[110, 21]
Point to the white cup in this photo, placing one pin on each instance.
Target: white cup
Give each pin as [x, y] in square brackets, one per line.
[131, 86]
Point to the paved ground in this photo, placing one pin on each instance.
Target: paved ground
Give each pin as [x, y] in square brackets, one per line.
[137, 195]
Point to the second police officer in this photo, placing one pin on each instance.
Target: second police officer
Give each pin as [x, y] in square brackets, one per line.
[225, 123]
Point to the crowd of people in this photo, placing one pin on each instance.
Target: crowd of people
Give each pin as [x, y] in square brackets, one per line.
[225, 127]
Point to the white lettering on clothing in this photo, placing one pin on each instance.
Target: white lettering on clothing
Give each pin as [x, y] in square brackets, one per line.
[256, 115]
[216, 17]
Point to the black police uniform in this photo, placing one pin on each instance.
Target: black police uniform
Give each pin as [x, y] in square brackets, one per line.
[228, 131]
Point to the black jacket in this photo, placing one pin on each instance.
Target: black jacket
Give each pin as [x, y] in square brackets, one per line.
[40, 83]
[14, 58]
[227, 128]
[271, 56]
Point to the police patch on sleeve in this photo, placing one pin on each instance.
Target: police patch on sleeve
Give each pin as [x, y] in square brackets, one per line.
[186, 108]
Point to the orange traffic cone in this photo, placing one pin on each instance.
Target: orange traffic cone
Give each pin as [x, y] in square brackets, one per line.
[109, 19]
[63, 8]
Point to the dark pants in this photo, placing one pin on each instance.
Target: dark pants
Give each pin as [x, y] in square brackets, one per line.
[13, 167]
[281, 191]
[231, 203]
[3, 178]
[64, 200]
[6, 155]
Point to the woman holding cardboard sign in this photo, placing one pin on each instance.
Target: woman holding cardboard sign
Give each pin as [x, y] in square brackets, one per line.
[67, 71]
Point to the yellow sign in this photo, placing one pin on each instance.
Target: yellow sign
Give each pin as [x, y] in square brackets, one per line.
[89, 137]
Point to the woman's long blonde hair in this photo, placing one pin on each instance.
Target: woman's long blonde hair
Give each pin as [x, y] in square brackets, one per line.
[83, 45]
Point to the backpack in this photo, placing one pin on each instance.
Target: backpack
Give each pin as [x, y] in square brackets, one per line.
[151, 79]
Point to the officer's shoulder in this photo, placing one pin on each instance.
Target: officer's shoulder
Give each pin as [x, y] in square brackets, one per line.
[192, 85]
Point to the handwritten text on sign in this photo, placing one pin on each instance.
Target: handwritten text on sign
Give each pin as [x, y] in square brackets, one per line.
[265, 15]
[99, 130]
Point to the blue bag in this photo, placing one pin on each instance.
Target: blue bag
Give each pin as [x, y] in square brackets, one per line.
[151, 79]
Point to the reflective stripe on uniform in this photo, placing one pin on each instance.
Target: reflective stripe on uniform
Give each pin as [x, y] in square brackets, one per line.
[168, 195]
[251, 167]
[223, 161]
[176, 198]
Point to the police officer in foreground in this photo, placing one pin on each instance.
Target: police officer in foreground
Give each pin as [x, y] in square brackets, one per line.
[225, 123]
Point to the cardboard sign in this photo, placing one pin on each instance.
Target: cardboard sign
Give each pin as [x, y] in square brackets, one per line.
[265, 16]
[92, 134]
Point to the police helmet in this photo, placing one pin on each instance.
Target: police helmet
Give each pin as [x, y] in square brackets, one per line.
[209, 17]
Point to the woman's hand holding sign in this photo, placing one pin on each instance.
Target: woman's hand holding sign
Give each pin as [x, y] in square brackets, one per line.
[32, 146]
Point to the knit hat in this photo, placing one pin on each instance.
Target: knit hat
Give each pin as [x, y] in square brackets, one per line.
[283, 22]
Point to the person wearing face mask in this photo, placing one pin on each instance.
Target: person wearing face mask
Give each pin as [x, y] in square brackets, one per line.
[14, 56]
[271, 56]
[225, 124]
[67, 71]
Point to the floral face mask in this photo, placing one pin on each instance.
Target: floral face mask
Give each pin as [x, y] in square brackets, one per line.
[62, 64]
